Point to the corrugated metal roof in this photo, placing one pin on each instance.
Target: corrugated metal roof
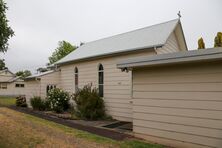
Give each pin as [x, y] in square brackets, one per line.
[174, 58]
[147, 37]
[13, 80]
[39, 74]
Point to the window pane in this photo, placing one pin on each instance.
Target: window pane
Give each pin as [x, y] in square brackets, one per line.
[76, 79]
[101, 90]
[4, 86]
[100, 67]
[76, 70]
[47, 88]
[100, 77]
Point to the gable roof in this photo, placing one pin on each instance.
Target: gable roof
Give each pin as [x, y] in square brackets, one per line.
[212, 54]
[18, 78]
[148, 37]
[13, 79]
[7, 70]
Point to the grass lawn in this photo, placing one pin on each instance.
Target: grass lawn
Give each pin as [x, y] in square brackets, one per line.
[7, 101]
[22, 130]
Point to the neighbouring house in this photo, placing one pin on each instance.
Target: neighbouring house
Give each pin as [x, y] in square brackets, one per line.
[10, 84]
[39, 84]
[177, 98]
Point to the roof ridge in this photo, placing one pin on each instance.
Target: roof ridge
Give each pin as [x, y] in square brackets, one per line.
[131, 31]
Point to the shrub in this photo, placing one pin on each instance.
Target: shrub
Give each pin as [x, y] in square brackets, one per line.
[38, 104]
[89, 105]
[21, 101]
[58, 100]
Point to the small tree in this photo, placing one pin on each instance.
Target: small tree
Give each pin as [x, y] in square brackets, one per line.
[201, 44]
[218, 40]
[2, 64]
[24, 73]
[64, 49]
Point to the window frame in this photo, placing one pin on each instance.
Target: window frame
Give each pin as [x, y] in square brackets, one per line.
[3, 86]
[19, 85]
[76, 78]
[101, 80]
[50, 87]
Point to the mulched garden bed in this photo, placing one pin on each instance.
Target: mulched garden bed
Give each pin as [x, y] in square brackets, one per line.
[80, 125]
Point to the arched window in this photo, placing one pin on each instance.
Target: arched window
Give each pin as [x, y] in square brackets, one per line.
[76, 78]
[101, 79]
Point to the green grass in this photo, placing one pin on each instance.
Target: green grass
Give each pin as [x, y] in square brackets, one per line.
[7, 101]
[130, 143]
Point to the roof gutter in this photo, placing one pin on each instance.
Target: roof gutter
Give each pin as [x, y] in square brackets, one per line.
[170, 59]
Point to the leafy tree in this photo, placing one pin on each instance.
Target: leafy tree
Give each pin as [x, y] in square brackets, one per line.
[2, 64]
[42, 69]
[63, 49]
[5, 31]
[23, 74]
[218, 40]
[201, 44]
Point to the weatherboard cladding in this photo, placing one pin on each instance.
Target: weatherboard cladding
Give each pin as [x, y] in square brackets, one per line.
[179, 106]
[148, 37]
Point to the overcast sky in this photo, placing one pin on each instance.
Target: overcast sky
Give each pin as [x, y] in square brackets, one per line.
[40, 24]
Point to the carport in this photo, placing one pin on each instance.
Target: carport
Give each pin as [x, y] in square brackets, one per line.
[177, 98]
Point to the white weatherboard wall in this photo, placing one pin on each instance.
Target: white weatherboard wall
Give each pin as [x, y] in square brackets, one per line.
[38, 87]
[170, 46]
[49, 79]
[32, 88]
[117, 85]
[180, 106]
[12, 90]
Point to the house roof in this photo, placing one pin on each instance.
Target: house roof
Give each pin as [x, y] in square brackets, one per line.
[13, 80]
[148, 37]
[16, 79]
[6, 70]
[39, 74]
[202, 55]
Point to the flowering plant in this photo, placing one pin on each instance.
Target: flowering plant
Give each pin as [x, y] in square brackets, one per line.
[58, 100]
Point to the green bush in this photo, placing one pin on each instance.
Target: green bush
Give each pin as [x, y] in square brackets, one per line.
[58, 100]
[38, 104]
[89, 105]
[21, 101]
